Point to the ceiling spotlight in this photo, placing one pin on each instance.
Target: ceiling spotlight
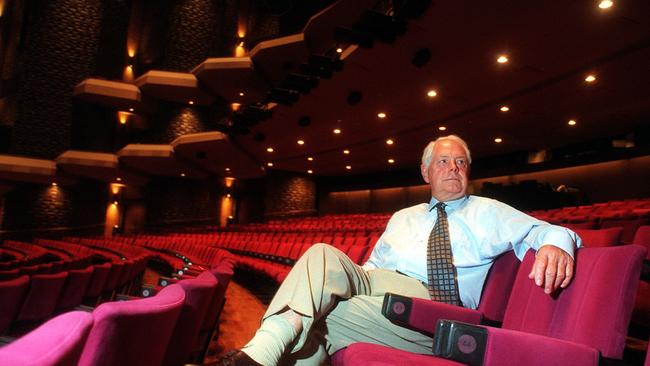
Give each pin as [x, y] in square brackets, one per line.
[348, 167]
[182, 174]
[337, 131]
[504, 108]
[310, 171]
[310, 158]
[502, 59]
[339, 50]
[381, 115]
[269, 164]
[227, 169]
[269, 149]
[572, 122]
[390, 142]
[391, 161]
[605, 4]
[54, 184]
[432, 93]
[131, 109]
[590, 78]
[300, 142]
[241, 94]
[442, 128]
[118, 179]
[498, 140]
[346, 151]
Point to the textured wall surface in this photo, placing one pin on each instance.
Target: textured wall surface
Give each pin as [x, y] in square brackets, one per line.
[289, 195]
[174, 200]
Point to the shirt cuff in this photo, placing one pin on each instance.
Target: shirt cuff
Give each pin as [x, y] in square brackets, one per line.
[562, 239]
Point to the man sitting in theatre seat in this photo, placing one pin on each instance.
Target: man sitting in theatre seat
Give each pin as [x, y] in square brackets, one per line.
[328, 302]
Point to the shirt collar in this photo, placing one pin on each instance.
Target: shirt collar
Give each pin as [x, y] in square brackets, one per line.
[451, 205]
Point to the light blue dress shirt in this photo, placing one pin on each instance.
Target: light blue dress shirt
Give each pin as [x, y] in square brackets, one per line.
[480, 229]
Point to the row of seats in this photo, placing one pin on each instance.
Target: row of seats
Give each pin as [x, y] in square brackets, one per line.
[171, 328]
[29, 298]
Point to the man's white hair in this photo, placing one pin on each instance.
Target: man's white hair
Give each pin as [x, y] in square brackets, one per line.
[427, 155]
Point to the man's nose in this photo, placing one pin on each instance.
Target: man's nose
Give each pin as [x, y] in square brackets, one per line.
[453, 166]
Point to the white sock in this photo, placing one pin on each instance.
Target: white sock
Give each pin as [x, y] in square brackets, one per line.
[270, 341]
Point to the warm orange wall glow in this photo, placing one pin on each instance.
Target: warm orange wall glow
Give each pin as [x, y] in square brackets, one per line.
[112, 218]
[116, 188]
[240, 51]
[229, 181]
[2, 7]
[226, 210]
[127, 75]
[123, 117]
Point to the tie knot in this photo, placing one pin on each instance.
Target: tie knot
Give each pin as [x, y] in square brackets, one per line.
[440, 206]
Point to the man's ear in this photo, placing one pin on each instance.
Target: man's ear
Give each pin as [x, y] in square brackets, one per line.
[425, 172]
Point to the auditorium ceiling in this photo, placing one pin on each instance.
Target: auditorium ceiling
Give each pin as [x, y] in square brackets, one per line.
[443, 73]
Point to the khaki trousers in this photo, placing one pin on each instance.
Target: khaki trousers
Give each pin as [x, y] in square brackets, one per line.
[341, 304]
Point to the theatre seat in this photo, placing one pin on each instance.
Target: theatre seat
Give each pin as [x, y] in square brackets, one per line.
[12, 295]
[574, 326]
[185, 340]
[42, 297]
[133, 332]
[58, 342]
[74, 288]
[600, 237]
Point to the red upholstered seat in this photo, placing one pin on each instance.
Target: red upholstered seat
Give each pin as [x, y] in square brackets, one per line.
[12, 295]
[58, 342]
[571, 327]
[600, 237]
[74, 288]
[43, 296]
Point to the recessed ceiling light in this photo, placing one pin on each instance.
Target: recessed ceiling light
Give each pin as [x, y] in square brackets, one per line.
[348, 167]
[310, 171]
[339, 50]
[118, 179]
[227, 169]
[182, 174]
[54, 184]
[504, 108]
[241, 94]
[346, 151]
[191, 102]
[432, 93]
[300, 142]
[269, 149]
[391, 161]
[310, 158]
[442, 128]
[572, 122]
[381, 115]
[337, 131]
[502, 59]
[390, 142]
[590, 78]
[269, 164]
[498, 140]
[605, 4]
[131, 109]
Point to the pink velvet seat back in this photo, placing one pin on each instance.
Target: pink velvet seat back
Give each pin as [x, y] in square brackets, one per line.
[199, 293]
[594, 310]
[642, 237]
[133, 332]
[58, 342]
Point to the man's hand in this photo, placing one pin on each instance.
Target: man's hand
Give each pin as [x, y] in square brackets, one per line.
[553, 268]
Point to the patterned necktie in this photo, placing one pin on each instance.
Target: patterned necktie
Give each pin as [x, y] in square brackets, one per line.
[443, 285]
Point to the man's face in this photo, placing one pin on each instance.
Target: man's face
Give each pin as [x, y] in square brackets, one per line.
[447, 173]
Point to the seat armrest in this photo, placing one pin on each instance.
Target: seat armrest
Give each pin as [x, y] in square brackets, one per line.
[422, 314]
[477, 345]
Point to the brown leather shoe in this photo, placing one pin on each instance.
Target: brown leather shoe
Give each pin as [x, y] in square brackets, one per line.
[235, 358]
